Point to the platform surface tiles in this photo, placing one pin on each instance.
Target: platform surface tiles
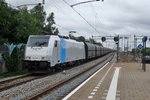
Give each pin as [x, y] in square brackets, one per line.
[115, 81]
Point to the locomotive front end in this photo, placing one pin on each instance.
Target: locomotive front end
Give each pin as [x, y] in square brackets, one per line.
[36, 54]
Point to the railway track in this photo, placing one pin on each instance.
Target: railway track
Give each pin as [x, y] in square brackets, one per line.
[38, 87]
[4, 85]
[60, 84]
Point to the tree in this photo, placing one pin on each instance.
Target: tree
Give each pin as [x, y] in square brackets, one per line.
[17, 24]
[40, 15]
[7, 22]
[100, 44]
[50, 28]
[92, 40]
[56, 31]
[81, 39]
[28, 24]
[72, 37]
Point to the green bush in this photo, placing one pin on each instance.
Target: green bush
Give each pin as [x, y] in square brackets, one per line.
[12, 60]
[147, 51]
[136, 50]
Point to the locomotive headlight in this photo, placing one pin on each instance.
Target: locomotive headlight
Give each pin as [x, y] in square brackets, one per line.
[28, 57]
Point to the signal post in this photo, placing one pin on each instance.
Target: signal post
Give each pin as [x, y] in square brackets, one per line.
[115, 38]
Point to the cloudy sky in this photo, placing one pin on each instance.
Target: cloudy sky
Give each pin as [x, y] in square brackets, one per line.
[111, 17]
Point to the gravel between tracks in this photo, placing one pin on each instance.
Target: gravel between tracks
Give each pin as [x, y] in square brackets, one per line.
[30, 88]
[13, 77]
[8, 84]
[67, 88]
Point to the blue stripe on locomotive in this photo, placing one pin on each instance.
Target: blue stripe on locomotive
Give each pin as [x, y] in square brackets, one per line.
[63, 50]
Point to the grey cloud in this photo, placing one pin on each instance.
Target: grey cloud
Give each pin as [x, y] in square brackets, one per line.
[109, 17]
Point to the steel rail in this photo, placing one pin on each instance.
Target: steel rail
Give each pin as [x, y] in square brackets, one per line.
[63, 82]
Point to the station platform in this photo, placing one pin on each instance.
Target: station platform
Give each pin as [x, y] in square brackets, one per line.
[115, 81]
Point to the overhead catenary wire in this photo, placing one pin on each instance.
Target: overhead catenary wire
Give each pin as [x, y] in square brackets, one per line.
[96, 14]
[62, 27]
[81, 17]
[60, 9]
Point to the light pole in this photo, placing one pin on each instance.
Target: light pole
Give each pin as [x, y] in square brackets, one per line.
[116, 39]
[85, 2]
[144, 39]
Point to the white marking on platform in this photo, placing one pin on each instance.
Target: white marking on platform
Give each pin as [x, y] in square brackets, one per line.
[100, 83]
[104, 98]
[90, 97]
[96, 87]
[93, 93]
[118, 91]
[105, 94]
[106, 90]
[105, 74]
[76, 89]
[113, 86]
[95, 90]
[118, 98]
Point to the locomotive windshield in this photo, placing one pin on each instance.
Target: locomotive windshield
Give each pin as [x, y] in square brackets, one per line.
[38, 41]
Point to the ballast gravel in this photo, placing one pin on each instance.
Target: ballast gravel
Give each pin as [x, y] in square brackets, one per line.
[22, 92]
[61, 92]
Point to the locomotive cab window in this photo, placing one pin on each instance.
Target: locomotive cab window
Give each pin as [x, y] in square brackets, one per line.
[36, 41]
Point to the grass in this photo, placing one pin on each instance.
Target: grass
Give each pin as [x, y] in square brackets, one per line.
[15, 73]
